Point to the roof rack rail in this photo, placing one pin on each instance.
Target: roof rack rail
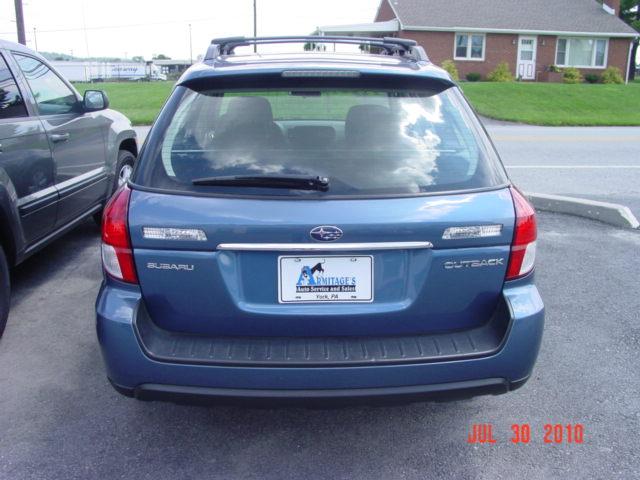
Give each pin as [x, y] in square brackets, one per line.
[392, 46]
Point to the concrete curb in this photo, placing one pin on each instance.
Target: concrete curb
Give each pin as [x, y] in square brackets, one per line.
[610, 213]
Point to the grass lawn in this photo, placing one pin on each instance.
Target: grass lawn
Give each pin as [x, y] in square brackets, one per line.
[557, 103]
[140, 101]
[535, 103]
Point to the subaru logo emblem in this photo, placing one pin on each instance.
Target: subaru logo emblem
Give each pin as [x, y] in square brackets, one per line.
[326, 233]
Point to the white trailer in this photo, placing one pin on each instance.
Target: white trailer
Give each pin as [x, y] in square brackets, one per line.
[108, 71]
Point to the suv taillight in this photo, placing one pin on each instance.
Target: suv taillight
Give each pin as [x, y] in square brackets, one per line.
[523, 248]
[117, 255]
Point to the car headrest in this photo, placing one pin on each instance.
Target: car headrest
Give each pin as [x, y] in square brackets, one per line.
[367, 123]
[249, 110]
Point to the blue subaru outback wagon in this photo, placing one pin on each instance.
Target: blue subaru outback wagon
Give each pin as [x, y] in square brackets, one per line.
[318, 226]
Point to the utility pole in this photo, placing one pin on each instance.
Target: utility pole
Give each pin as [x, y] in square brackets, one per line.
[20, 22]
[190, 47]
[255, 25]
[35, 39]
[84, 28]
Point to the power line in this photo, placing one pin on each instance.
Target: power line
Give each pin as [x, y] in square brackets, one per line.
[109, 27]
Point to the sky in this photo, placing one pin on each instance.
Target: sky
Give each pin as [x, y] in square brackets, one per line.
[127, 28]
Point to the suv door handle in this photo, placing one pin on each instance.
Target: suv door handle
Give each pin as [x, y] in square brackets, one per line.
[59, 137]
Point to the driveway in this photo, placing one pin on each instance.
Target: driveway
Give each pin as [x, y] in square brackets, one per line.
[599, 163]
[60, 419]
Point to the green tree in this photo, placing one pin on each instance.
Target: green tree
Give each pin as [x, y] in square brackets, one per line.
[161, 56]
[138, 58]
[630, 13]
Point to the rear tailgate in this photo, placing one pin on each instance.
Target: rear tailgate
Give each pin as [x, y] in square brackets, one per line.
[195, 287]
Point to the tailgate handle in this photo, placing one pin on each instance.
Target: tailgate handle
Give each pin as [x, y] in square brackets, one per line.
[323, 247]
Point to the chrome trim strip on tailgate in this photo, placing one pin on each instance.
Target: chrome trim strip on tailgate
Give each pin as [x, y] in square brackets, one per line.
[324, 247]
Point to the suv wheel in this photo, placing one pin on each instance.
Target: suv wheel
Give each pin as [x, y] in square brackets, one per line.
[124, 169]
[4, 291]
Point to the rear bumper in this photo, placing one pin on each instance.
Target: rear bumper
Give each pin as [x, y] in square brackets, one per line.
[133, 372]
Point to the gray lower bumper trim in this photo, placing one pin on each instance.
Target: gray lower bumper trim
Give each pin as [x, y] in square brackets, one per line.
[443, 391]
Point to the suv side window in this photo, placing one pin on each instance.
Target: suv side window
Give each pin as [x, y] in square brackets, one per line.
[11, 101]
[51, 94]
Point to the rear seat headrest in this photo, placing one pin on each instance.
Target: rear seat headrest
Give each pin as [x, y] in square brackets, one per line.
[249, 110]
[367, 123]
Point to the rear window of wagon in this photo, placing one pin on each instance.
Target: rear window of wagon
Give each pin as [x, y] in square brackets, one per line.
[365, 142]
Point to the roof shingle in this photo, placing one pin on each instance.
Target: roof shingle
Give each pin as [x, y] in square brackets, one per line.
[586, 16]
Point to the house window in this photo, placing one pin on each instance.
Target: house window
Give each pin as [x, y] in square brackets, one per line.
[582, 52]
[469, 46]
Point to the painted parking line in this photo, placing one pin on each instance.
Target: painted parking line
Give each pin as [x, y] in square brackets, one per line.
[581, 167]
[567, 139]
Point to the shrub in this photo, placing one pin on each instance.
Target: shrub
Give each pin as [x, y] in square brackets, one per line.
[555, 69]
[502, 73]
[474, 77]
[592, 78]
[612, 75]
[571, 75]
[451, 69]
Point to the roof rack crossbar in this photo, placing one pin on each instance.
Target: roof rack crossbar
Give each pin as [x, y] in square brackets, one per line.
[391, 45]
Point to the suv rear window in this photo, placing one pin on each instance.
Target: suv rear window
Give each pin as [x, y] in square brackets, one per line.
[365, 142]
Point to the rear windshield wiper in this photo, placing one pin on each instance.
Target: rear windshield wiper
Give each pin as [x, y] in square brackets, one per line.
[295, 182]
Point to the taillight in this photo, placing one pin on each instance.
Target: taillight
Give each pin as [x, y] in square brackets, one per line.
[523, 248]
[117, 255]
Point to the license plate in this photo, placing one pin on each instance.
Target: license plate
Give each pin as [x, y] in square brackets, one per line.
[338, 278]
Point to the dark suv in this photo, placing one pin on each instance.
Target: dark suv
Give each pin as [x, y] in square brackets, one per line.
[61, 157]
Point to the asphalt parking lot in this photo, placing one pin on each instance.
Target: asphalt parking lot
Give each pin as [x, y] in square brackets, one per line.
[60, 419]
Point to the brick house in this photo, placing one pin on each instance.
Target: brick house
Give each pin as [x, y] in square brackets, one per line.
[530, 35]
